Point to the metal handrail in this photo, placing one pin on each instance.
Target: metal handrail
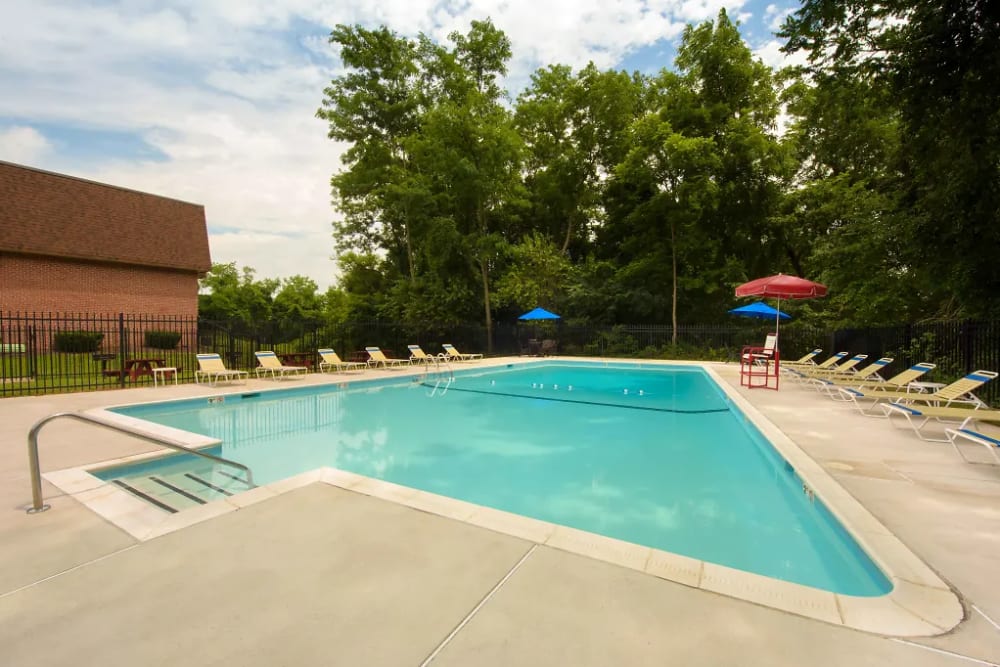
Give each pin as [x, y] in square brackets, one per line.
[36, 476]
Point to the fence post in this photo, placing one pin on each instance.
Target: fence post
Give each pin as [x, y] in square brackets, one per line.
[122, 349]
[968, 341]
[32, 352]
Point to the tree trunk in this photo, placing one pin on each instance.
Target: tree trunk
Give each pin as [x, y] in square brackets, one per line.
[486, 302]
[409, 247]
[485, 273]
[673, 305]
[569, 234]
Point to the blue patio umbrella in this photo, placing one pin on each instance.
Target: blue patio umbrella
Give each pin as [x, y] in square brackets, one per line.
[539, 314]
[759, 310]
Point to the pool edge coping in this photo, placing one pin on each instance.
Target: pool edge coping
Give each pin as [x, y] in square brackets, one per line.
[919, 604]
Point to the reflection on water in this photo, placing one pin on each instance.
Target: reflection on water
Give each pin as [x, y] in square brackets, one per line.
[673, 467]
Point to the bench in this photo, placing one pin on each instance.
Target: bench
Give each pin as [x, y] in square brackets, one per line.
[116, 373]
[11, 348]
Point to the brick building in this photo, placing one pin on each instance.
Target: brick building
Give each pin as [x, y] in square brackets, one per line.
[69, 245]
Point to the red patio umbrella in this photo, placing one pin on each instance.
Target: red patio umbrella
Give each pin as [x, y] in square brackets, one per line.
[781, 287]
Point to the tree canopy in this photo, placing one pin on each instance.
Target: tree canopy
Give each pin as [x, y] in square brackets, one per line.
[618, 197]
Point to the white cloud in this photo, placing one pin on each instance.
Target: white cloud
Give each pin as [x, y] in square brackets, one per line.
[227, 91]
[770, 52]
[277, 255]
[775, 16]
[23, 144]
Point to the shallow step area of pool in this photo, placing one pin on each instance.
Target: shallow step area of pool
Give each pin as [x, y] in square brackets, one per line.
[176, 490]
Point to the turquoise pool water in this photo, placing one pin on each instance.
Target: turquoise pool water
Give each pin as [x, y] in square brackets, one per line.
[655, 456]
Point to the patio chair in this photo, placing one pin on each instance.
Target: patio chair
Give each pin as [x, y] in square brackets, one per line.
[806, 360]
[458, 356]
[841, 370]
[898, 382]
[330, 359]
[791, 369]
[986, 441]
[377, 358]
[869, 372]
[212, 371]
[918, 417]
[268, 363]
[418, 356]
[763, 355]
[959, 391]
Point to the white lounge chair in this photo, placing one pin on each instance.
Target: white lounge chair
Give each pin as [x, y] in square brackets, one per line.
[986, 441]
[330, 359]
[418, 356]
[919, 416]
[458, 356]
[898, 382]
[958, 392]
[376, 358]
[211, 370]
[268, 364]
[869, 372]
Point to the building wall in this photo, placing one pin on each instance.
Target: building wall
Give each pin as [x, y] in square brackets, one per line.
[53, 285]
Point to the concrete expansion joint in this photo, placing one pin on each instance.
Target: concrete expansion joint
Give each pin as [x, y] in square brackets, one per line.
[67, 571]
[840, 610]
[984, 615]
[943, 629]
[942, 651]
[458, 628]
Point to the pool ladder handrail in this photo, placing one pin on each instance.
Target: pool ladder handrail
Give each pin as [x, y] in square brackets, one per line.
[438, 360]
[33, 463]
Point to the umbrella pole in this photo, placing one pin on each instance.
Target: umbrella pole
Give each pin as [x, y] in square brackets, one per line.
[777, 340]
[777, 322]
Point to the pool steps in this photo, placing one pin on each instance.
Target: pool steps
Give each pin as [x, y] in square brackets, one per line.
[173, 492]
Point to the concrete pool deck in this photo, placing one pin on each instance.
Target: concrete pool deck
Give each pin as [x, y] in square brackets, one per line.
[382, 583]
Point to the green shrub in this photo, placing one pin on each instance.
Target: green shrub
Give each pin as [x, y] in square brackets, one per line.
[77, 341]
[162, 340]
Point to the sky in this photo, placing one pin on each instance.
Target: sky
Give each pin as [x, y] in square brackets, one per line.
[214, 101]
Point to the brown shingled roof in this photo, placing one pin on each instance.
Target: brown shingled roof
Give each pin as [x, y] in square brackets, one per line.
[42, 213]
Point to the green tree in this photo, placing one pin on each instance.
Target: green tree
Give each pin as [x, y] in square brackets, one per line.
[228, 293]
[469, 149]
[538, 274]
[939, 61]
[679, 171]
[298, 299]
[838, 218]
[365, 280]
[731, 97]
[573, 128]
[375, 106]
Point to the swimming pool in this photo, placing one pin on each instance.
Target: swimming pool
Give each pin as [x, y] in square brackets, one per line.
[656, 456]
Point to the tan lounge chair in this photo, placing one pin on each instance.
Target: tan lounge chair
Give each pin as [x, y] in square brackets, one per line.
[377, 358]
[794, 370]
[211, 370]
[418, 356]
[330, 359]
[919, 416]
[958, 392]
[898, 382]
[806, 360]
[841, 370]
[458, 356]
[268, 364]
[986, 441]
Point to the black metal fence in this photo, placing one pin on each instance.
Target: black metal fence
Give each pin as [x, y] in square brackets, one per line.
[47, 353]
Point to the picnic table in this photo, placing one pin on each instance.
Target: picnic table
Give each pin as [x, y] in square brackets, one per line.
[136, 368]
[306, 359]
